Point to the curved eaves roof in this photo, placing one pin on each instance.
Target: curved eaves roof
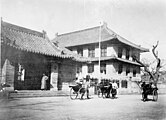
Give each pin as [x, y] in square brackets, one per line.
[27, 40]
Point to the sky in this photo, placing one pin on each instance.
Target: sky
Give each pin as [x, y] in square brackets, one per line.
[142, 22]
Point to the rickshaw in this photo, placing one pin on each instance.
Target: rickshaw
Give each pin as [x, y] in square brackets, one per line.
[104, 89]
[149, 89]
[75, 90]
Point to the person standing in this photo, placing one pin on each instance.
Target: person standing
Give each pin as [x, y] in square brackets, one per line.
[43, 82]
[86, 87]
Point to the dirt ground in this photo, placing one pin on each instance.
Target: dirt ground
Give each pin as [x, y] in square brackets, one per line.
[125, 107]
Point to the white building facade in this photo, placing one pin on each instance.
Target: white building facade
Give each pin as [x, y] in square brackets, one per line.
[116, 56]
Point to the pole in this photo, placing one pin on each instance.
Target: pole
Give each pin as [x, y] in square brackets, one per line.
[99, 50]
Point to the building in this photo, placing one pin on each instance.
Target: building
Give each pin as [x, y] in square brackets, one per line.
[27, 54]
[116, 55]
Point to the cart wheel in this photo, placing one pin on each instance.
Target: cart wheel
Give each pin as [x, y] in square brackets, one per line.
[104, 94]
[155, 95]
[81, 91]
[99, 93]
[73, 94]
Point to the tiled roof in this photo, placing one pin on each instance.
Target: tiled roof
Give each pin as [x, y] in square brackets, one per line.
[29, 40]
[91, 35]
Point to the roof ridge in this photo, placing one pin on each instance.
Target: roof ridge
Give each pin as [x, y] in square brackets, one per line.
[21, 29]
[77, 31]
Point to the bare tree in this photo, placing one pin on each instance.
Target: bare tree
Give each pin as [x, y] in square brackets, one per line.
[154, 73]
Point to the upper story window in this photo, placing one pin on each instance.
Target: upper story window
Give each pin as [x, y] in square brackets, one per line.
[80, 52]
[120, 52]
[91, 52]
[127, 54]
[90, 68]
[127, 70]
[120, 68]
[103, 68]
[103, 51]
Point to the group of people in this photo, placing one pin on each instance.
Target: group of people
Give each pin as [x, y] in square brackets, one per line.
[86, 85]
[147, 88]
[112, 87]
[109, 87]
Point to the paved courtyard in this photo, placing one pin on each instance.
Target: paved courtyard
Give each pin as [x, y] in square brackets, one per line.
[125, 107]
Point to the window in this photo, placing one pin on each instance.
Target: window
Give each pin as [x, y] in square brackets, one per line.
[80, 52]
[134, 72]
[124, 83]
[90, 68]
[103, 68]
[127, 54]
[127, 70]
[103, 51]
[120, 68]
[79, 68]
[91, 52]
[120, 52]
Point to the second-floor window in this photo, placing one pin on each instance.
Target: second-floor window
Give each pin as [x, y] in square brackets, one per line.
[103, 68]
[80, 52]
[103, 51]
[91, 52]
[120, 52]
[90, 68]
[127, 54]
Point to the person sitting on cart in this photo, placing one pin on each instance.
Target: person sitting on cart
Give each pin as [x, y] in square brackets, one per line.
[109, 89]
[86, 86]
[79, 81]
[147, 88]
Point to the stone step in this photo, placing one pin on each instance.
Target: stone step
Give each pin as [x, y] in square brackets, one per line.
[24, 94]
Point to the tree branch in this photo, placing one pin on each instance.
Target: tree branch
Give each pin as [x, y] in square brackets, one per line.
[145, 67]
[157, 58]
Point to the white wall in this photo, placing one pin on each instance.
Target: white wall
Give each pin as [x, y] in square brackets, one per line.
[84, 70]
[110, 70]
[96, 70]
[97, 52]
[85, 52]
[111, 50]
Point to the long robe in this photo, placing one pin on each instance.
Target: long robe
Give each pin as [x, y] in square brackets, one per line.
[43, 82]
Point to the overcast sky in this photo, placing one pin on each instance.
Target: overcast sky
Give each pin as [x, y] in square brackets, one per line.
[140, 21]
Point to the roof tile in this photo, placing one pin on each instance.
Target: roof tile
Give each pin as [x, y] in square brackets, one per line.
[29, 40]
[91, 35]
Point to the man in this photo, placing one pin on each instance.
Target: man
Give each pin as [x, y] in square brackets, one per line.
[86, 86]
[43, 82]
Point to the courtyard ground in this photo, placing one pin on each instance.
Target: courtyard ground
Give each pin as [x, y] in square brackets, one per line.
[125, 107]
